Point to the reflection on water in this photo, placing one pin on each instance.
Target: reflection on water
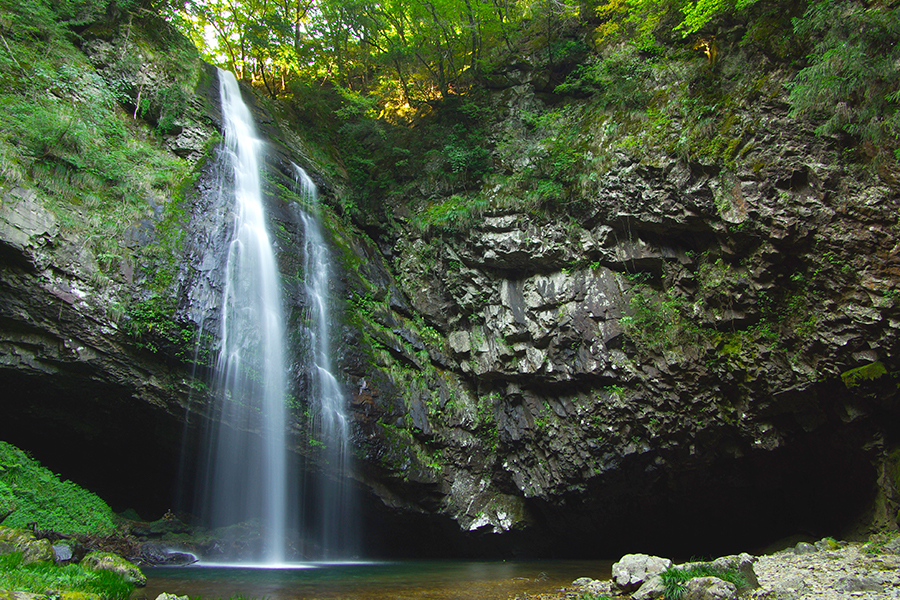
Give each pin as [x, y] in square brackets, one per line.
[413, 580]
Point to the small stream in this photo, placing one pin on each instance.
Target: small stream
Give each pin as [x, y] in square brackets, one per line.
[412, 580]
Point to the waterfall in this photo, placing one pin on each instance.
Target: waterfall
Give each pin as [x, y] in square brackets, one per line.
[246, 479]
[334, 515]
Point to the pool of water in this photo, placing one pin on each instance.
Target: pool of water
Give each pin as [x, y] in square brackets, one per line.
[413, 580]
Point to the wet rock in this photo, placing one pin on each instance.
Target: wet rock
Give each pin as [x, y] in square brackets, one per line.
[63, 554]
[157, 554]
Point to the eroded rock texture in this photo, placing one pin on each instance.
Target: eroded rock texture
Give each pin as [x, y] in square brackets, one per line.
[688, 354]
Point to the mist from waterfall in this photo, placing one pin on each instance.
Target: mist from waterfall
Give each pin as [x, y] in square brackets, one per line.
[332, 521]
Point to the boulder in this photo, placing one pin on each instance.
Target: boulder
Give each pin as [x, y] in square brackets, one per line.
[154, 553]
[63, 554]
[19, 540]
[592, 587]
[739, 562]
[167, 596]
[709, 588]
[19, 595]
[651, 589]
[106, 561]
[633, 570]
[804, 548]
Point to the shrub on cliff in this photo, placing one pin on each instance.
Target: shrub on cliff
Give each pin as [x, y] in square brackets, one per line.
[39, 496]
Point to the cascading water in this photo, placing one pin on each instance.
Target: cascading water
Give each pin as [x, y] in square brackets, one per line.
[334, 524]
[246, 478]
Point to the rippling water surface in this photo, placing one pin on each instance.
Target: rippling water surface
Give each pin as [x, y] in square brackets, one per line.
[413, 580]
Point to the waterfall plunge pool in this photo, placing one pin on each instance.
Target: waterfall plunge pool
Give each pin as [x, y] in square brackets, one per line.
[412, 580]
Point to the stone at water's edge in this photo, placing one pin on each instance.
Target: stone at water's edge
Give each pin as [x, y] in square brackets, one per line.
[632, 570]
[737, 562]
[167, 596]
[106, 561]
[587, 586]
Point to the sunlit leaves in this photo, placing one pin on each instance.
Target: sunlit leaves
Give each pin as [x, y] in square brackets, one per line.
[410, 52]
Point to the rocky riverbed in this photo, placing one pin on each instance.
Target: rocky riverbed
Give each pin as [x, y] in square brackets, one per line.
[826, 570]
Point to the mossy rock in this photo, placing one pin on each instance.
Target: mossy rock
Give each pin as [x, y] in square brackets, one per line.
[106, 561]
[855, 377]
[20, 540]
[78, 596]
[18, 595]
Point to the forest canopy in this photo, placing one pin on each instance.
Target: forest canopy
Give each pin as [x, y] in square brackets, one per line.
[410, 52]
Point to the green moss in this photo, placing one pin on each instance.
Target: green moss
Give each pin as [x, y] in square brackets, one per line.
[40, 496]
[855, 377]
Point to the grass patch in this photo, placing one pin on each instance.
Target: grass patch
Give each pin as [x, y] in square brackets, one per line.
[51, 579]
[70, 134]
[37, 495]
[674, 578]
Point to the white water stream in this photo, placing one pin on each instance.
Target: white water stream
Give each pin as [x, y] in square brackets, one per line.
[246, 480]
[247, 474]
[335, 529]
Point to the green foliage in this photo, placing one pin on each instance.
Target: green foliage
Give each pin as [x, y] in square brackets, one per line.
[853, 75]
[173, 101]
[658, 320]
[464, 158]
[700, 12]
[40, 496]
[43, 19]
[455, 213]
[674, 578]
[42, 578]
[621, 79]
[152, 324]
[408, 53]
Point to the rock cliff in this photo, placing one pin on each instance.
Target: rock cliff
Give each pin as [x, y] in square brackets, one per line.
[692, 350]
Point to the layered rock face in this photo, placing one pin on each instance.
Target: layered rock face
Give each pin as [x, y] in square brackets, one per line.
[693, 353]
